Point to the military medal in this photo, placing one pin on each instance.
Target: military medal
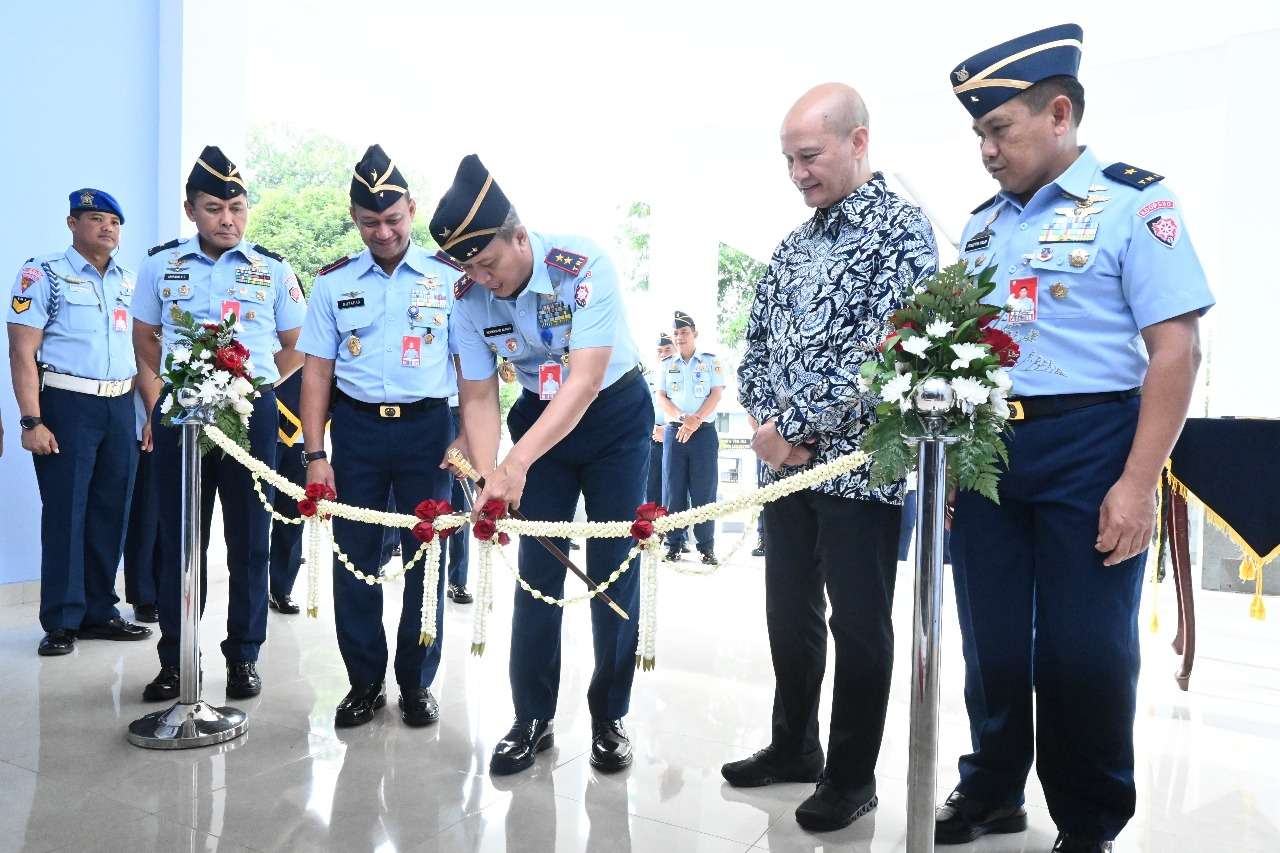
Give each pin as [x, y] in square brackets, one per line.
[1078, 257]
[353, 345]
[1059, 290]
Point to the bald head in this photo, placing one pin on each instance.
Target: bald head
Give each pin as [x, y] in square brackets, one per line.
[824, 140]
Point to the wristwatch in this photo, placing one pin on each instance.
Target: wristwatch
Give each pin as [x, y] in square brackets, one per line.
[29, 422]
[313, 457]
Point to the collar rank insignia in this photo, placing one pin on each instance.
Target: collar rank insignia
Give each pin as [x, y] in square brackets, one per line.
[570, 262]
[1132, 176]
[443, 258]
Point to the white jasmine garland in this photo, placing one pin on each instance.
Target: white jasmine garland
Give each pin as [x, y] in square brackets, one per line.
[939, 328]
[971, 391]
[966, 353]
[917, 346]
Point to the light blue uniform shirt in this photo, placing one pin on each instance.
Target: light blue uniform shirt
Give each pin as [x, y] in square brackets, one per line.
[87, 318]
[183, 278]
[559, 311]
[688, 383]
[1100, 260]
[387, 334]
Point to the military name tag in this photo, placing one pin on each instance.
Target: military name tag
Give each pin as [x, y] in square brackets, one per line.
[494, 331]
[355, 302]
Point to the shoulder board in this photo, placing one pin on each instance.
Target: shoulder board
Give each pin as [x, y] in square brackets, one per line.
[462, 285]
[984, 205]
[336, 265]
[1132, 175]
[170, 245]
[263, 250]
[570, 262]
[444, 258]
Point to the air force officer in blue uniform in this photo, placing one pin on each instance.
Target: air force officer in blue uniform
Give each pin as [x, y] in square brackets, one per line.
[550, 304]
[1048, 581]
[71, 356]
[378, 325]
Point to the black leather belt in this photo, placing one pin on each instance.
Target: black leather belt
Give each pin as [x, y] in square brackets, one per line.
[393, 410]
[1026, 408]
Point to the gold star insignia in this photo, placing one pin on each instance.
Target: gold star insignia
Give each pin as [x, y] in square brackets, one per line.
[1130, 171]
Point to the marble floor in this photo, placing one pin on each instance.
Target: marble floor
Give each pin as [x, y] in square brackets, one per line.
[1208, 759]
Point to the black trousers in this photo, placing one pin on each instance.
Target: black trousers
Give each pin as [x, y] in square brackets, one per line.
[847, 548]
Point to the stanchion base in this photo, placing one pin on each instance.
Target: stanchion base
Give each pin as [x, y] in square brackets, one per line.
[184, 726]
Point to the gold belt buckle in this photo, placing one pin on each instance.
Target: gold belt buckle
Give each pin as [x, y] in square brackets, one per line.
[389, 411]
[1015, 410]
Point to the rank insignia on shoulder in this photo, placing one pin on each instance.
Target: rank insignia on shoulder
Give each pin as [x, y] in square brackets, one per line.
[20, 304]
[570, 262]
[172, 244]
[462, 285]
[1132, 176]
[263, 250]
[443, 258]
[336, 265]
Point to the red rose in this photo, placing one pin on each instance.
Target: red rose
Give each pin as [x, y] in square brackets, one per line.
[504, 539]
[650, 511]
[484, 529]
[494, 509]
[229, 360]
[1005, 347]
[641, 529]
[424, 532]
[306, 508]
[315, 491]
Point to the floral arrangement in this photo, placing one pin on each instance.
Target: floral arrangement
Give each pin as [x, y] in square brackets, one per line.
[944, 338]
[209, 371]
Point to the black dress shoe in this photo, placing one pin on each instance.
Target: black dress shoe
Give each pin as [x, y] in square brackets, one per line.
[960, 820]
[418, 707]
[164, 686]
[116, 629]
[59, 642]
[709, 558]
[145, 613]
[610, 746]
[521, 746]
[770, 766]
[458, 594]
[358, 706]
[1068, 843]
[831, 807]
[758, 551]
[283, 604]
[242, 680]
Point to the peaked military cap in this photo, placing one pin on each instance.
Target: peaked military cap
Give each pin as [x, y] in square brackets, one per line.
[664, 340]
[214, 174]
[91, 199]
[471, 211]
[376, 183]
[996, 75]
[683, 321]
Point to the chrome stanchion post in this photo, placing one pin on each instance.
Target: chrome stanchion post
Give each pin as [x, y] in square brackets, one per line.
[933, 398]
[189, 722]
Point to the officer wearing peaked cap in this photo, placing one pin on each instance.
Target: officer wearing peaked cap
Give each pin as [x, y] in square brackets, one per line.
[550, 304]
[690, 384]
[378, 324]
[211, 276]
[1048, 581]
[70, 321]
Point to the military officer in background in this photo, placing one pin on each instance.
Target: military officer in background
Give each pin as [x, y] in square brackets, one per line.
[214, 275]
[378, 323]
[690, 385]
[1048, 581]
[71, 358]
[286, 539]
[653, 492]
[142, 554]
[551, 305]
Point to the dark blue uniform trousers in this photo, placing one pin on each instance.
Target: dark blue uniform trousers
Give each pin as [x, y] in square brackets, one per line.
[689, 474]
[142, 540]
[84, 505]
[373, 457]
[245, 529]
[454, 549]
[604, 458]
[286, 539]
[1039, 612]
